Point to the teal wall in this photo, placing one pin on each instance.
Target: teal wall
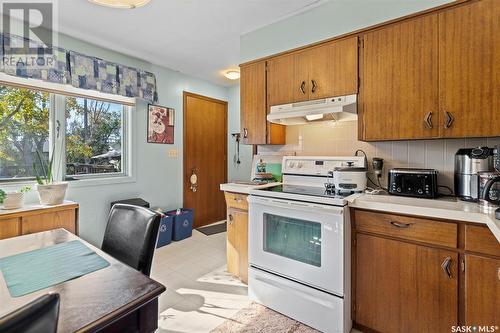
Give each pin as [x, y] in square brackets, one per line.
[333, 18]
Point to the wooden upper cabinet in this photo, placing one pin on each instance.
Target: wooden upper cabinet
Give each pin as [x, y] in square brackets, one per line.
[399, 81]
[333, 68]
[469, 69]
[282, 85]
[253, 103]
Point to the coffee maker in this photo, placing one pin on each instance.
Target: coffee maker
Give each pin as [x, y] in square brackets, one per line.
[468, 163]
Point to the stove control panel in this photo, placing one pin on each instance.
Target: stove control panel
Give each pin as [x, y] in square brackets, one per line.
[318, 165]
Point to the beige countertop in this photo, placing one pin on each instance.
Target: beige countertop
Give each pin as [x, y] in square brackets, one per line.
[244, 187]
[449, 209]
[33, 206]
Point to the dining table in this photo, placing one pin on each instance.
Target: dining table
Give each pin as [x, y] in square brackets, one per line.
[116, 298]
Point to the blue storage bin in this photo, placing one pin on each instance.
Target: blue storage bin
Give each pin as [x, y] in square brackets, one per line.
[183, 224]
[165, 231]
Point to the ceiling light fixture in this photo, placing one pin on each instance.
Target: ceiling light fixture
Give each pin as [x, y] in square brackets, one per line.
[232, 75]
[126, 4]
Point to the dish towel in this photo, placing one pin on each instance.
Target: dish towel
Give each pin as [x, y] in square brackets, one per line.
[30, 271]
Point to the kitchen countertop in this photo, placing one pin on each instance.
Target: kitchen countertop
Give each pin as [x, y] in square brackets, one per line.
[447, 208]
[244, 187]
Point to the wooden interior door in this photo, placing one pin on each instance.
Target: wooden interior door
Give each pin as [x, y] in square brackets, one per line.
[253, 103]
[399, 89]
[469, 69]
[334, 69]
[401, 287]
[205, 155]
[482, 290]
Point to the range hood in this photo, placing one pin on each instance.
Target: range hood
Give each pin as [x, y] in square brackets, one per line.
[340, 108]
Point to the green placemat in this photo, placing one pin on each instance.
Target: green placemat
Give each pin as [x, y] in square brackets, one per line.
[30, 271]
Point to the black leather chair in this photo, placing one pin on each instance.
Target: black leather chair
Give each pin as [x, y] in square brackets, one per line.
[39, 316]
[131, 235]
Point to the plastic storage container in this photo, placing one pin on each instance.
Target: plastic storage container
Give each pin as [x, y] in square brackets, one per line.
[165, 230]
[183, 224]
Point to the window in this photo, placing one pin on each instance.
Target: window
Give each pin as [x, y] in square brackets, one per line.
[94, 144]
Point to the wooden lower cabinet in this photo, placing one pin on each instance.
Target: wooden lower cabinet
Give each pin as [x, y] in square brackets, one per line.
[405, 280]
[482, 291]
[33, 219]
[237, 235]
[401, 287]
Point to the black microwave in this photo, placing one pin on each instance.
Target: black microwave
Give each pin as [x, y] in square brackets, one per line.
[419, 183]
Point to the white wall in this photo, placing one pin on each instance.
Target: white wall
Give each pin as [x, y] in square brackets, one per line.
[243, 170]
[335, 17]
[158, 177]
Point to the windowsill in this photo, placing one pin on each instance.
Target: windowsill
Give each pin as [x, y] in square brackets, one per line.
[88, 182]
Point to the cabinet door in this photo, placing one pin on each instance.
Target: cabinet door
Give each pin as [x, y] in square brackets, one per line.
[402, 287]
[48, 221]
[333, 69]
[237, 243]
[282, 84]
[482, 291]
[253, 103]
[9, 228]
[469, 69]
[399, 89]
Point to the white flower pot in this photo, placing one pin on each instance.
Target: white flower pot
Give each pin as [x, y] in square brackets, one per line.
[13, 200]
[52, 194]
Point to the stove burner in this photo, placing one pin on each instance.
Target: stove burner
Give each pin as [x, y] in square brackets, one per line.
[307, 190]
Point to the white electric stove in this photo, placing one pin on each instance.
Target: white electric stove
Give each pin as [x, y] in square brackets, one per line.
[299, 244]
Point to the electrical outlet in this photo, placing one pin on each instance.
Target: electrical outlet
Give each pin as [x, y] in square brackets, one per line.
[172, 153]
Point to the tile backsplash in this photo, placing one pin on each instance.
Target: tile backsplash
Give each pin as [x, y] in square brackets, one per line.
[341, 139]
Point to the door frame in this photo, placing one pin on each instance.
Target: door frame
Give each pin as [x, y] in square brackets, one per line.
[185, 95]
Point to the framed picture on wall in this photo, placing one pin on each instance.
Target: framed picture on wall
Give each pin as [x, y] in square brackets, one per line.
[160, 124]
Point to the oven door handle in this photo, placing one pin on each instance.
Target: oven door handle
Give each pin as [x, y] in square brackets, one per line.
[296, 205]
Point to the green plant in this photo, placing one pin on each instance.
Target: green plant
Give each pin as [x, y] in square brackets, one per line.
[46, 177]
[25, 189]
[2, 196]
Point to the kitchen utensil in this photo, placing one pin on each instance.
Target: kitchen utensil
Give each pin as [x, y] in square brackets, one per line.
[349, 179]
[420, 183]
[489, 189]
[468, 162]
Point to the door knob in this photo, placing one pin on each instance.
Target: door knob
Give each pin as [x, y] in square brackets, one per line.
[193, 180]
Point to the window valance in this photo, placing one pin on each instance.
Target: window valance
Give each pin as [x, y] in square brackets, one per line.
[76, 69]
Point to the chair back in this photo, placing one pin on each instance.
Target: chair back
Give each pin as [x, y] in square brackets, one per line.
[131, 235]
[39, 316]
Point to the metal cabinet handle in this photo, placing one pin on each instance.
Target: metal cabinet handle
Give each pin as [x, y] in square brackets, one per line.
[314, 86]
[446, 267]
[449, 119]
[400, 225]
[428, 120]
[230, 218]
[303, 87]
[245, 133]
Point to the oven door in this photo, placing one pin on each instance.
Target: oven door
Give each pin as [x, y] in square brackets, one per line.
[298, 240]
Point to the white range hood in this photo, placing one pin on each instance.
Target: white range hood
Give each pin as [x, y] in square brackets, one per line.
[340, 108]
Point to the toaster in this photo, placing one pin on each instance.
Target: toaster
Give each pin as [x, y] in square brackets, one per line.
[419, 183]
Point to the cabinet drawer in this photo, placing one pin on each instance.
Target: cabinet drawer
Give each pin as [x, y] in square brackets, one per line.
[9, 227]
[236, 200]
[48, 221]
[480, 239]
[410, 228]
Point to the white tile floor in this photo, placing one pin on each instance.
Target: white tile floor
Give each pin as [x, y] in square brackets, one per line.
[200, 294]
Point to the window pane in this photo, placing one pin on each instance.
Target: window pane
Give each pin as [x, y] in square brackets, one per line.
[24, 132]
[292, 238]
[93, 137]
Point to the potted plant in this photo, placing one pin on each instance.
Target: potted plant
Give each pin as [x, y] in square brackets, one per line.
[49, 192]
[15, 199]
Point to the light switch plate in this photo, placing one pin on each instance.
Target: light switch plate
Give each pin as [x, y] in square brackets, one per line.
[172, 153]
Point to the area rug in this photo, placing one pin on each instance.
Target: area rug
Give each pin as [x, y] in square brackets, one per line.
[213, 229]
[258, 318]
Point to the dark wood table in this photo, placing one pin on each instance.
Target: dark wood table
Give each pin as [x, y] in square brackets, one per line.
[114, 299]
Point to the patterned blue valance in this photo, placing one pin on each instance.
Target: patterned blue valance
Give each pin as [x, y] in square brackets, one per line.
[76, 69]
